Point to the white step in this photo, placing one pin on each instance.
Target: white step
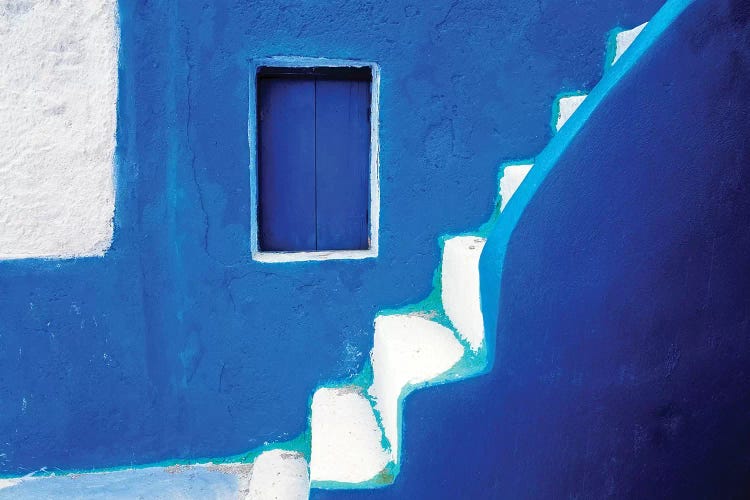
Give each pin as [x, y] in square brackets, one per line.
[624, 39]
[347, 443]
[566, 106]
[279, 475]
[460, 287]
[175, 482]
[408, 350]
[513, 176]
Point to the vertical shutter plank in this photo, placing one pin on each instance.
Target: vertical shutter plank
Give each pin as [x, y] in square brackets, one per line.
[342, 164]
[286, 173]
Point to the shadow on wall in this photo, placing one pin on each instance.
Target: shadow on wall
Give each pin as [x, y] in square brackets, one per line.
[623, 335]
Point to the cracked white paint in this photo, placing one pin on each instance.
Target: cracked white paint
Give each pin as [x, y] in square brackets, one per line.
[513, 176]
[460, 287]
[58, 75]
[346, 439]
[625, 39]
[279, 475]
[566, 106]
[408, 350]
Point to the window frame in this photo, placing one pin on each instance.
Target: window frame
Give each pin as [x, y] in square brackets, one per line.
[301, 64]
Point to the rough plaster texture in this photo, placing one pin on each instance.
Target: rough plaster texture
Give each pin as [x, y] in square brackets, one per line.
[279, 475]
[408, 350]
[347, 443]
[58, 75]
[460, 287]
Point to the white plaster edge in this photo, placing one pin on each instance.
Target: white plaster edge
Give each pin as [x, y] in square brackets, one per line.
[513, 176]
[252, 134]
[269, 257]
[625, 39]
[460, 287]
[566, 106]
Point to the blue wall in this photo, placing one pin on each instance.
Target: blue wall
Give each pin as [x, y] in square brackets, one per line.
[177, 345]
[623, 338]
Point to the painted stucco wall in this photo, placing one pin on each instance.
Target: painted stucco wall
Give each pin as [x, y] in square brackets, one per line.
[176, 344]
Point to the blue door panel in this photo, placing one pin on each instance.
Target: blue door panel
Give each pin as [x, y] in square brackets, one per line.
[342, 163]
[286, 173]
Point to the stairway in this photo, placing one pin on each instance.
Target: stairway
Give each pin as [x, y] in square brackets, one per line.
[356, 428]
[354, 439]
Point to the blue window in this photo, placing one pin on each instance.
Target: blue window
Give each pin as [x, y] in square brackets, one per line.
[313, 164]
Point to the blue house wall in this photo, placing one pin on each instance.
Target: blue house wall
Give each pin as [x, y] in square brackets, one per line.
[176, 344]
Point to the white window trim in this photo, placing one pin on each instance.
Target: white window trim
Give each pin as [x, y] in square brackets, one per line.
[306, 62]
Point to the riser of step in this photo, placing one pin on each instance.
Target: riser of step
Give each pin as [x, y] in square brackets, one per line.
[347, 442]
[460, 287]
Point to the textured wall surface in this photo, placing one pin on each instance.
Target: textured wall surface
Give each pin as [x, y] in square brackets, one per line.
[176, 344]
[58, 104]
[633, 383]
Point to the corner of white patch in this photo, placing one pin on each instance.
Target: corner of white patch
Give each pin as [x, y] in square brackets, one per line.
[57, 135]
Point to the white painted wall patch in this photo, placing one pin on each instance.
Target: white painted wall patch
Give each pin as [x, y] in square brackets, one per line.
[58, 75]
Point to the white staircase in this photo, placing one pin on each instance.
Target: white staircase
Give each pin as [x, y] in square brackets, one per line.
[355, 428]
